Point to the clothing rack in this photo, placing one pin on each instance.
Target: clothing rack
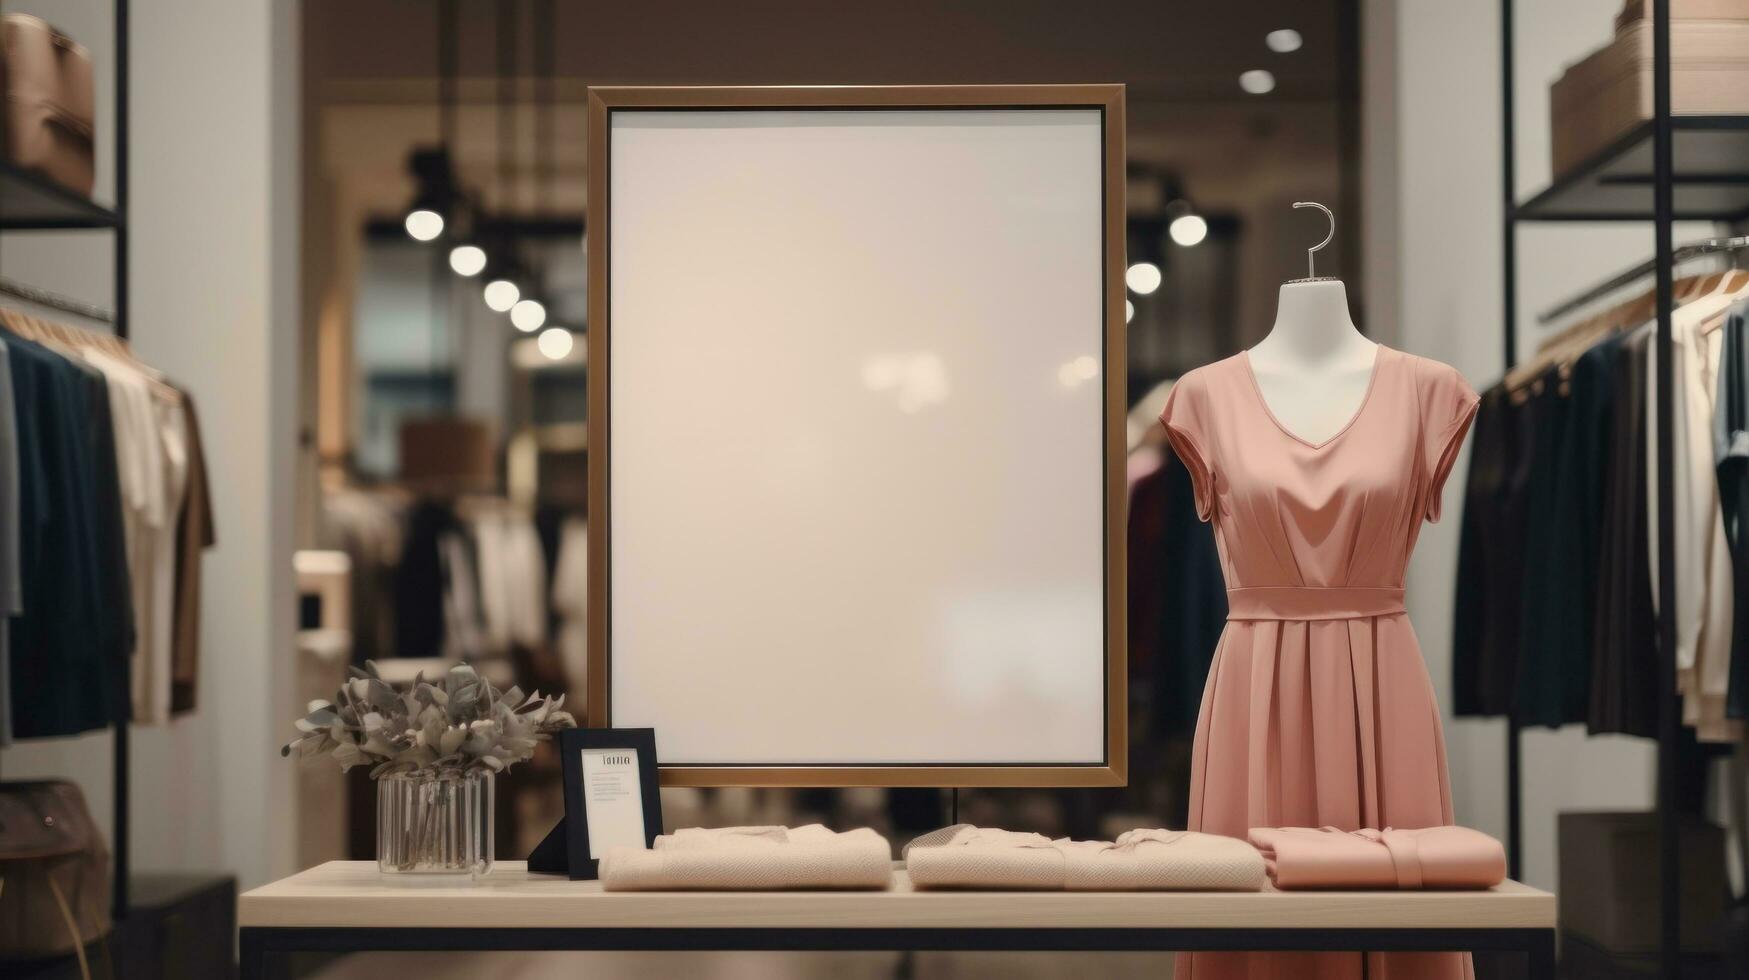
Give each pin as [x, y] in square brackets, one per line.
[1682, 253]
[30, 203]
[55, 301]
[1686, 181]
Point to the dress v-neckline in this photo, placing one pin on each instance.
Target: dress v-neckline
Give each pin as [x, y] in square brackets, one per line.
[1378, 360]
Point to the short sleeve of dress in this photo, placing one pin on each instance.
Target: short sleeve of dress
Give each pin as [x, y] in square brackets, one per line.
[1185, 418]
[1448, 406]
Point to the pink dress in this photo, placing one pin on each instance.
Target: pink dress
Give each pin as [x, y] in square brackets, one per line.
[1318, 709]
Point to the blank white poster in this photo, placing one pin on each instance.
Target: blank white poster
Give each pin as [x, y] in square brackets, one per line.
[856, 466]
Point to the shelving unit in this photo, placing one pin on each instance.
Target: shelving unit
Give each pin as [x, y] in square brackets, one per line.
[30, 203]
[1708, 177]
[1669, 168]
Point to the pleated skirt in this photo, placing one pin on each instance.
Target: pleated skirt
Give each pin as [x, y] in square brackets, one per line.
[1326, 723]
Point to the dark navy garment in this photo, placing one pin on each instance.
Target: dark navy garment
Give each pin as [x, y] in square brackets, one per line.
[69, 647]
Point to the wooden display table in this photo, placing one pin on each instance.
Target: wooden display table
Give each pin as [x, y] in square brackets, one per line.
[346, 906]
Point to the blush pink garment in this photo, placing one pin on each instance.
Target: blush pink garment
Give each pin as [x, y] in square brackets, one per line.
[1318, 711]
[1431, 857]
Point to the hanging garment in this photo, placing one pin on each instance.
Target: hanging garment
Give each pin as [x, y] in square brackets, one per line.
[69, 646]
[1178, 601]
[513, 579]
[11, 587]
[752, 858]
[1489, 615]
[159, 646]
[1561, 572]
[1704, 705]
[153, 460]
[571, 601]
[1432, 857]
[1318, 710]
[1548, 688]
[140, 466]
[1624, 640]
[1703, 613]
[419, 621]
[1506, 580]
[964, 856]
[464, 632]
[368, 526]
[1479, 549]
[194, 534]
[1731, 454]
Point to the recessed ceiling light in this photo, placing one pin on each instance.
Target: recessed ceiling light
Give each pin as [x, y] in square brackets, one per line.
[1257, 82]
[1283, 41]
[1129, 311]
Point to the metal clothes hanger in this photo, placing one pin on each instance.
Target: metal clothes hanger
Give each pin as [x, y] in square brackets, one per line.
[1311, 263]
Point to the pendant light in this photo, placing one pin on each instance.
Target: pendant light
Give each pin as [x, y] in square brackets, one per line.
[531, 313]
[467, 259]
[430, 212]
[467, 254]
[502, 291]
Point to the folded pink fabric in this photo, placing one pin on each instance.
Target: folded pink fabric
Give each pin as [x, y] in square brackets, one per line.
[1433, 857]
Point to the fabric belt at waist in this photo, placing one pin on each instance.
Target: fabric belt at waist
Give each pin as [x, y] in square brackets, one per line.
[1312, 602]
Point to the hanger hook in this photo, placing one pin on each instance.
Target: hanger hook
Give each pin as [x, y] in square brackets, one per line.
[1311, 268]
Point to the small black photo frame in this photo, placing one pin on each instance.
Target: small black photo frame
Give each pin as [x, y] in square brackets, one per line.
[612, 795]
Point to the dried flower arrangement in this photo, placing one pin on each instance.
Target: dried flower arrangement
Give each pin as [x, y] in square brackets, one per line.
[460, 724]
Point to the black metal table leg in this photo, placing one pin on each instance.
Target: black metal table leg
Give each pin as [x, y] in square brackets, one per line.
[1541, 955]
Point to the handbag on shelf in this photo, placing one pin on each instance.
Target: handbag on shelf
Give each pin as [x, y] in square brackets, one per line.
[54, 872]
[47, 103]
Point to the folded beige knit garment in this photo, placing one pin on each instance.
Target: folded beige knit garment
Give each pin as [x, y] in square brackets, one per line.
[752, 858]
[1141, 860]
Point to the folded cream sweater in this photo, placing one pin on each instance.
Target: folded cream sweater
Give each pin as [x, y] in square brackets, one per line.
[964, 856]
[752, 858]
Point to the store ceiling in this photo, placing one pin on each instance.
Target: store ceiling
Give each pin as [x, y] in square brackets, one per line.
[1164, 51]
[372, 73]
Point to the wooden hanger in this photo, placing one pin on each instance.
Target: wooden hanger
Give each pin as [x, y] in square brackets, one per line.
[1563, 348]
[72, 342]
[63, 335]
[1732, 281]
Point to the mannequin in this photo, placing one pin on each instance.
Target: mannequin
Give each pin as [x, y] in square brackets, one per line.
[1315, 368]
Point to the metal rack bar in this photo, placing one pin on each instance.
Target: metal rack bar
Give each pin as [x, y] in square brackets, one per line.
[1663, 211]
[1509, 321]
[123, 760]
[55, 301]
[1681, 253]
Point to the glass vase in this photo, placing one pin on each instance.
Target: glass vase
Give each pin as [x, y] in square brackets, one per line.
[435, 823]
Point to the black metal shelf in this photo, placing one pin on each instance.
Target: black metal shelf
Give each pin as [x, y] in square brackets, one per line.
[32, 203]
[29, 202]
[1710, 180]
[1666, 169]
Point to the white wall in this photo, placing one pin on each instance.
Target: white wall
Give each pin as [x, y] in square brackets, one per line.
[213, 265]
[1433, 159]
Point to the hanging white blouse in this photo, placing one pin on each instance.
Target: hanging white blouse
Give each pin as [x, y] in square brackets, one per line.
[1703, 562]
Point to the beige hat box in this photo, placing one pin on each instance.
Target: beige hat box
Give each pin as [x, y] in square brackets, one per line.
[1602, 98]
